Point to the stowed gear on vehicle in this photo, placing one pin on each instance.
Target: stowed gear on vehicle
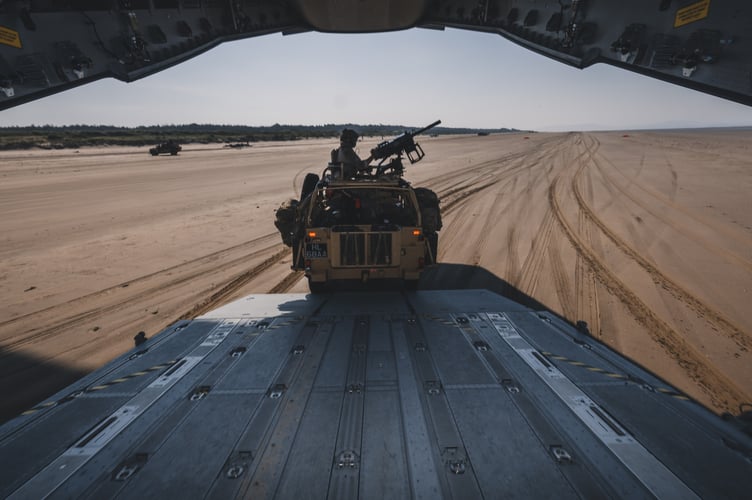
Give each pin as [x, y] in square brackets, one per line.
[363, 222]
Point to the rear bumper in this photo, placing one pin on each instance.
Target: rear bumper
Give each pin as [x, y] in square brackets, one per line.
[362, 274]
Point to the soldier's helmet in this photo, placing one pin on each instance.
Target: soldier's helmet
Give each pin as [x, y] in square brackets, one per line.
[349, 137]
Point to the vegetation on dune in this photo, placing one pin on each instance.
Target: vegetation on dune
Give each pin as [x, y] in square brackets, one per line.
[77, 136]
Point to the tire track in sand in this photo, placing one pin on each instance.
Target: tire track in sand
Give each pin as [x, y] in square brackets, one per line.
[59, 324]
[721, 391]
[587, 302]
[702, 310]
[220, 297]
[287, 282]
[685, 229]
[533, 265]
[215, 298]
[530, 271]
[562, 285]
[493, 172]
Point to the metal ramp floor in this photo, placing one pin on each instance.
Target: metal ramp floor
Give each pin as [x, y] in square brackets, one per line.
[429, 394]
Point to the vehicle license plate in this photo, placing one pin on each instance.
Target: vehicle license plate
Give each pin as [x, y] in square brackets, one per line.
[315, 251]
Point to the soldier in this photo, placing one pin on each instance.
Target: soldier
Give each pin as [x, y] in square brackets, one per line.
[347, 157]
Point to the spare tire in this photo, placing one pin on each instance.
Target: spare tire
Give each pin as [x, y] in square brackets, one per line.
[309, 184]
[286, 221]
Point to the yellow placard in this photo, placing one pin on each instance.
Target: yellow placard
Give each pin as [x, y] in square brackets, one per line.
[10, 37]
[692, 13]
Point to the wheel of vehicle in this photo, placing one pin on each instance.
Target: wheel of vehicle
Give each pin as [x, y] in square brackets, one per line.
[316, 286]
[309, 184]
[297, 254]
[433, 244]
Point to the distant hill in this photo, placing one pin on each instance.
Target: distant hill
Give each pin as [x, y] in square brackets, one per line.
[77, 136]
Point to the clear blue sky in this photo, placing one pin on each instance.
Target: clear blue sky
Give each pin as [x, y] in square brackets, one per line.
[466, 79]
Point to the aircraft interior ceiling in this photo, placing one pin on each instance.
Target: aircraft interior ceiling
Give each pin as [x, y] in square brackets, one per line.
[48, 46]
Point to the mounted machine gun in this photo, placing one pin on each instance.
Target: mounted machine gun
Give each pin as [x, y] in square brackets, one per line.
[402, 144]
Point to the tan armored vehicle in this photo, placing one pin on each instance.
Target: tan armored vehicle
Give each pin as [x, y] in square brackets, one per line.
[363, 226]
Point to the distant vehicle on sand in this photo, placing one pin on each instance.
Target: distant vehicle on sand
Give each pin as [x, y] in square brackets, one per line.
[170, 147]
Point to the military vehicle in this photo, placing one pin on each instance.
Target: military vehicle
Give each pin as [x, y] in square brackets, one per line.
[170, 147]
[238, 145]
[363, 225]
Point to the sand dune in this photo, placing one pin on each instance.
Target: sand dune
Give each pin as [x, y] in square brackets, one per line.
[645, 236]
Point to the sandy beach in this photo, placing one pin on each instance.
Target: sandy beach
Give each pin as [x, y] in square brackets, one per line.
[644, 236]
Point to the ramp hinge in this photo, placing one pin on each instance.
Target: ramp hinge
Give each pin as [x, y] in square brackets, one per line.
[347, 459]
[200, 392]
[455, 459]
[129, 467]
[560, 454]
[433, 387]
[237, 463]
[277, 390]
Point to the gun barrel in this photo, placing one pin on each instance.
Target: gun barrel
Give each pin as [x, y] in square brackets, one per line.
[426, 128]
[403, 143]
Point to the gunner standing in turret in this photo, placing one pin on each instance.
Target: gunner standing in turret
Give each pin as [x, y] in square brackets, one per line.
[347, 157]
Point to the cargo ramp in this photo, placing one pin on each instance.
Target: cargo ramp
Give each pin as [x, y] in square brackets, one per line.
[428, 394]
